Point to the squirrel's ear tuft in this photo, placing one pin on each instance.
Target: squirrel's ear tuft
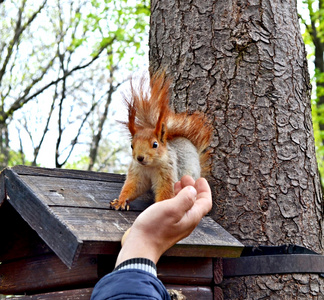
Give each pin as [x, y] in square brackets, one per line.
[160, 131]
[163, 133]
[131, 118]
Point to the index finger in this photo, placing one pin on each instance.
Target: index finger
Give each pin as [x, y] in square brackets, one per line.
[184, 181]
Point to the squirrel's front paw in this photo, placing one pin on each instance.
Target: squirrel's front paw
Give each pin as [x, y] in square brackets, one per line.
[119, 204]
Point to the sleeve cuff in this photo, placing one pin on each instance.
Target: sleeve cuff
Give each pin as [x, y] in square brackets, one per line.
[143, 264]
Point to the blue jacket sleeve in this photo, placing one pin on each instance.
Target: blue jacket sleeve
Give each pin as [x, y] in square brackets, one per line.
[130, 284]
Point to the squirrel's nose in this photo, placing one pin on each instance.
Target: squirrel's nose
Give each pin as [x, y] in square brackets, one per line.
[140, 158]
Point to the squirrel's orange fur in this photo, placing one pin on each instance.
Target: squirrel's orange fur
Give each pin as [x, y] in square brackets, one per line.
[165, 145]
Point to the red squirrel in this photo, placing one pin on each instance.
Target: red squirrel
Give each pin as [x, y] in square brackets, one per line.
[165, 145]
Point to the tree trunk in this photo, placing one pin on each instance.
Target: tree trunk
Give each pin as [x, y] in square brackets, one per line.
[244, 64]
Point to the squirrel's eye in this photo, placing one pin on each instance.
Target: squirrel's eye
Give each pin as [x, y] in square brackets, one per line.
[155, 145]
[132, 146]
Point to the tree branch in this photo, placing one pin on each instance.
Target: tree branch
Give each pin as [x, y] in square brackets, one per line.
[96, 139]
[37, 148]
[23, 100]
[75, 140]
[13, 41]
[19, 29]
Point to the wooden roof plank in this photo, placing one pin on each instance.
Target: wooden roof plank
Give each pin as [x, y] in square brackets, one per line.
[97, 226]
[73, 192]
[42, 219]
[2, 189]
[46, 272]
[17, 238]
[61, 191]
[79, 294]
[66, 173]
[186, 270]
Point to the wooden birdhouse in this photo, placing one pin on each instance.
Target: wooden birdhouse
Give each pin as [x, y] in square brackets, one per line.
[59, 236]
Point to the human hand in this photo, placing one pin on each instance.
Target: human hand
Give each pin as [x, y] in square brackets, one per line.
[165, 223]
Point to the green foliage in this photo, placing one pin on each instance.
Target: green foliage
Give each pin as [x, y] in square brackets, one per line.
[57, 60]
[318, 135]
[111, 158]
[15, 158]
[312, 20]
[120, 25]
[81, 163]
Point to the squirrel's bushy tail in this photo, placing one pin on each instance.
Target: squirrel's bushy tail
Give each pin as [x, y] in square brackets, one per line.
[146, 109]
[196, 128]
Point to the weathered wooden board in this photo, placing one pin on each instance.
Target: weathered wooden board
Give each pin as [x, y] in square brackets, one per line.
[208, 239]
[65, 173]
[2, 189]
[96, 225]
[62, 186]
[218, 293]
[46, 273]
[81, 294]
[218, 270]
[186, 270]
[56, 191]
[41, 218]
[18, 240]
[172, 270]
[191, 292]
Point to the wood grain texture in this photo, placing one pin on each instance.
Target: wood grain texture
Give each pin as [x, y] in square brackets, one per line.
[96, 226]
[80, 294]
[41, 218]
[218, 270]
[181, 270]
[75, 188]
[193, 292]
[218, 293]
[2, 189]
[46, 273]
[66, 173]
[18, 240]
[172, 270]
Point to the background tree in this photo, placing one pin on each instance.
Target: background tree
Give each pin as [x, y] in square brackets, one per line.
[244, 64]
[312, 17]
[52, 56]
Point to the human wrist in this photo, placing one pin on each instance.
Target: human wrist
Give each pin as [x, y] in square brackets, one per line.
[137, 246]
[138, 263]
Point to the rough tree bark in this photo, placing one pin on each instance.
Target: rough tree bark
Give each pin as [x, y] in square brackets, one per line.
[244, 64]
